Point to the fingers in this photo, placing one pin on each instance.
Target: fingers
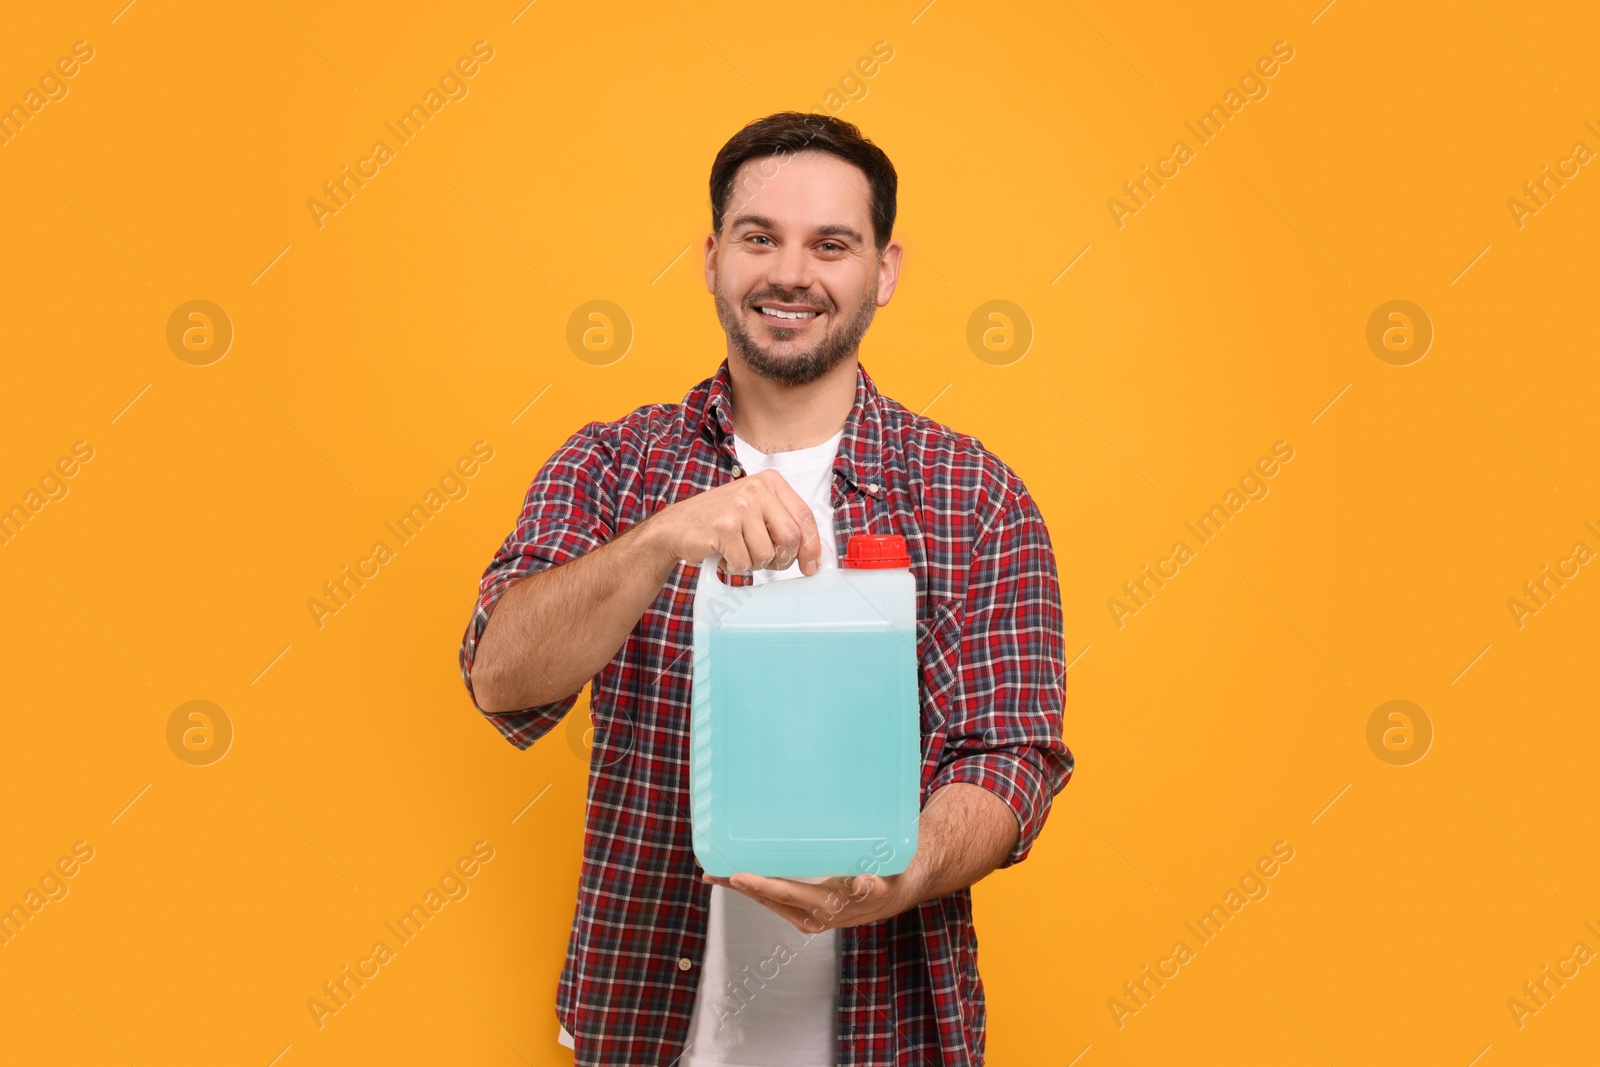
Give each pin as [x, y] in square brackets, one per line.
[739, 528]
[783, 898]
[757, 541]
[809, 551]
[784, 536]
[804, 897]
[812, 907]
[797, 538]
[802, 921]
[763, 524]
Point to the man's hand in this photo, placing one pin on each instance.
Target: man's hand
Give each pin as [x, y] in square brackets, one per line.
[827, 905]
[964, 832]
[758, 522]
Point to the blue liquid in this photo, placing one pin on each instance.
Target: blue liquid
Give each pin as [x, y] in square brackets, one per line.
[807, 753]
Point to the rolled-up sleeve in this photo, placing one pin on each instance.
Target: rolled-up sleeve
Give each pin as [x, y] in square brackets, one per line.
[1004, 729]
[569, 510]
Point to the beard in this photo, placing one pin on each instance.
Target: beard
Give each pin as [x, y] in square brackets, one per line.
[799, 368]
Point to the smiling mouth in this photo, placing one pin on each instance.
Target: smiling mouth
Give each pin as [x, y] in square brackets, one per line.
[791, 317]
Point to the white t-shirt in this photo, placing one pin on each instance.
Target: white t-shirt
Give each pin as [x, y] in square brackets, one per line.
[768, 993]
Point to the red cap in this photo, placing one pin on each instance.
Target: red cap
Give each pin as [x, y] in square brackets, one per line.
[876, 550]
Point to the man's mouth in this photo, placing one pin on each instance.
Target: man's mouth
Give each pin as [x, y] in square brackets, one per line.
[788, 316]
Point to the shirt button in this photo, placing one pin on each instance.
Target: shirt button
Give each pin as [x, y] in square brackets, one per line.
[874, 486]
[737, 470]
[684, 963]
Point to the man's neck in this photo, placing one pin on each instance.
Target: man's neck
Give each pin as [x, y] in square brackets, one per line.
[773, 417]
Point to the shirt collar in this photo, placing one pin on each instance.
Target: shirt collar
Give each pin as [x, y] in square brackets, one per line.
[860, 457]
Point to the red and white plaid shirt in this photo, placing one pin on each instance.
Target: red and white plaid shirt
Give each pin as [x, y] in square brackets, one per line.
[992, 681]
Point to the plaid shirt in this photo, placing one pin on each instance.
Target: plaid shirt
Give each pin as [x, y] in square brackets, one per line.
[992, 685]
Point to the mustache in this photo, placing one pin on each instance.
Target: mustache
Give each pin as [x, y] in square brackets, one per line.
[771, 296]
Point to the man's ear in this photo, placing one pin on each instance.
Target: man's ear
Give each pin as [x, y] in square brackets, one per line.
[711, 263]
[889, 271]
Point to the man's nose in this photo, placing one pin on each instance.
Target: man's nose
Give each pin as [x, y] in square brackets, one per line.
[791, 267]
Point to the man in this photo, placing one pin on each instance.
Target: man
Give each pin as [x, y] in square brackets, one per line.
[773, 462]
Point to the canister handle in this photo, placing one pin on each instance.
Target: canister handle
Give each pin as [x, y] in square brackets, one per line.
[708, 570]
[708, 573]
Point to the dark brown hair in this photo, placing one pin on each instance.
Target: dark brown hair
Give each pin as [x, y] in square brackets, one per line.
[795, 131]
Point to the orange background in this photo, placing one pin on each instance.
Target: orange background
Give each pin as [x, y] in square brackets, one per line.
[1229, 313]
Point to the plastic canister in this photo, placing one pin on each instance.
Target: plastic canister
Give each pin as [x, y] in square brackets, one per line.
[805, 732]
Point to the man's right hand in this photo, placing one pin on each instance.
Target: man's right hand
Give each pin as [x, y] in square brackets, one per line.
[557, 629]
[758, 522]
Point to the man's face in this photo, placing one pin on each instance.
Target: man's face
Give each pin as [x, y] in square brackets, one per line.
[795, 272]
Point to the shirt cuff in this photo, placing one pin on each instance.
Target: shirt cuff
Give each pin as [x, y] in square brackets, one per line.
[525, 726]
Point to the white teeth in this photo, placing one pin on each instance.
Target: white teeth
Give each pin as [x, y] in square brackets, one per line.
[775, 313]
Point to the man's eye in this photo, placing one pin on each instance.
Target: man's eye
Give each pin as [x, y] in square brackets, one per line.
[833, 245]
[757, 237]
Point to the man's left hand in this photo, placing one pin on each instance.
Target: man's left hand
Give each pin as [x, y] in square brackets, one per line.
[832, 904]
